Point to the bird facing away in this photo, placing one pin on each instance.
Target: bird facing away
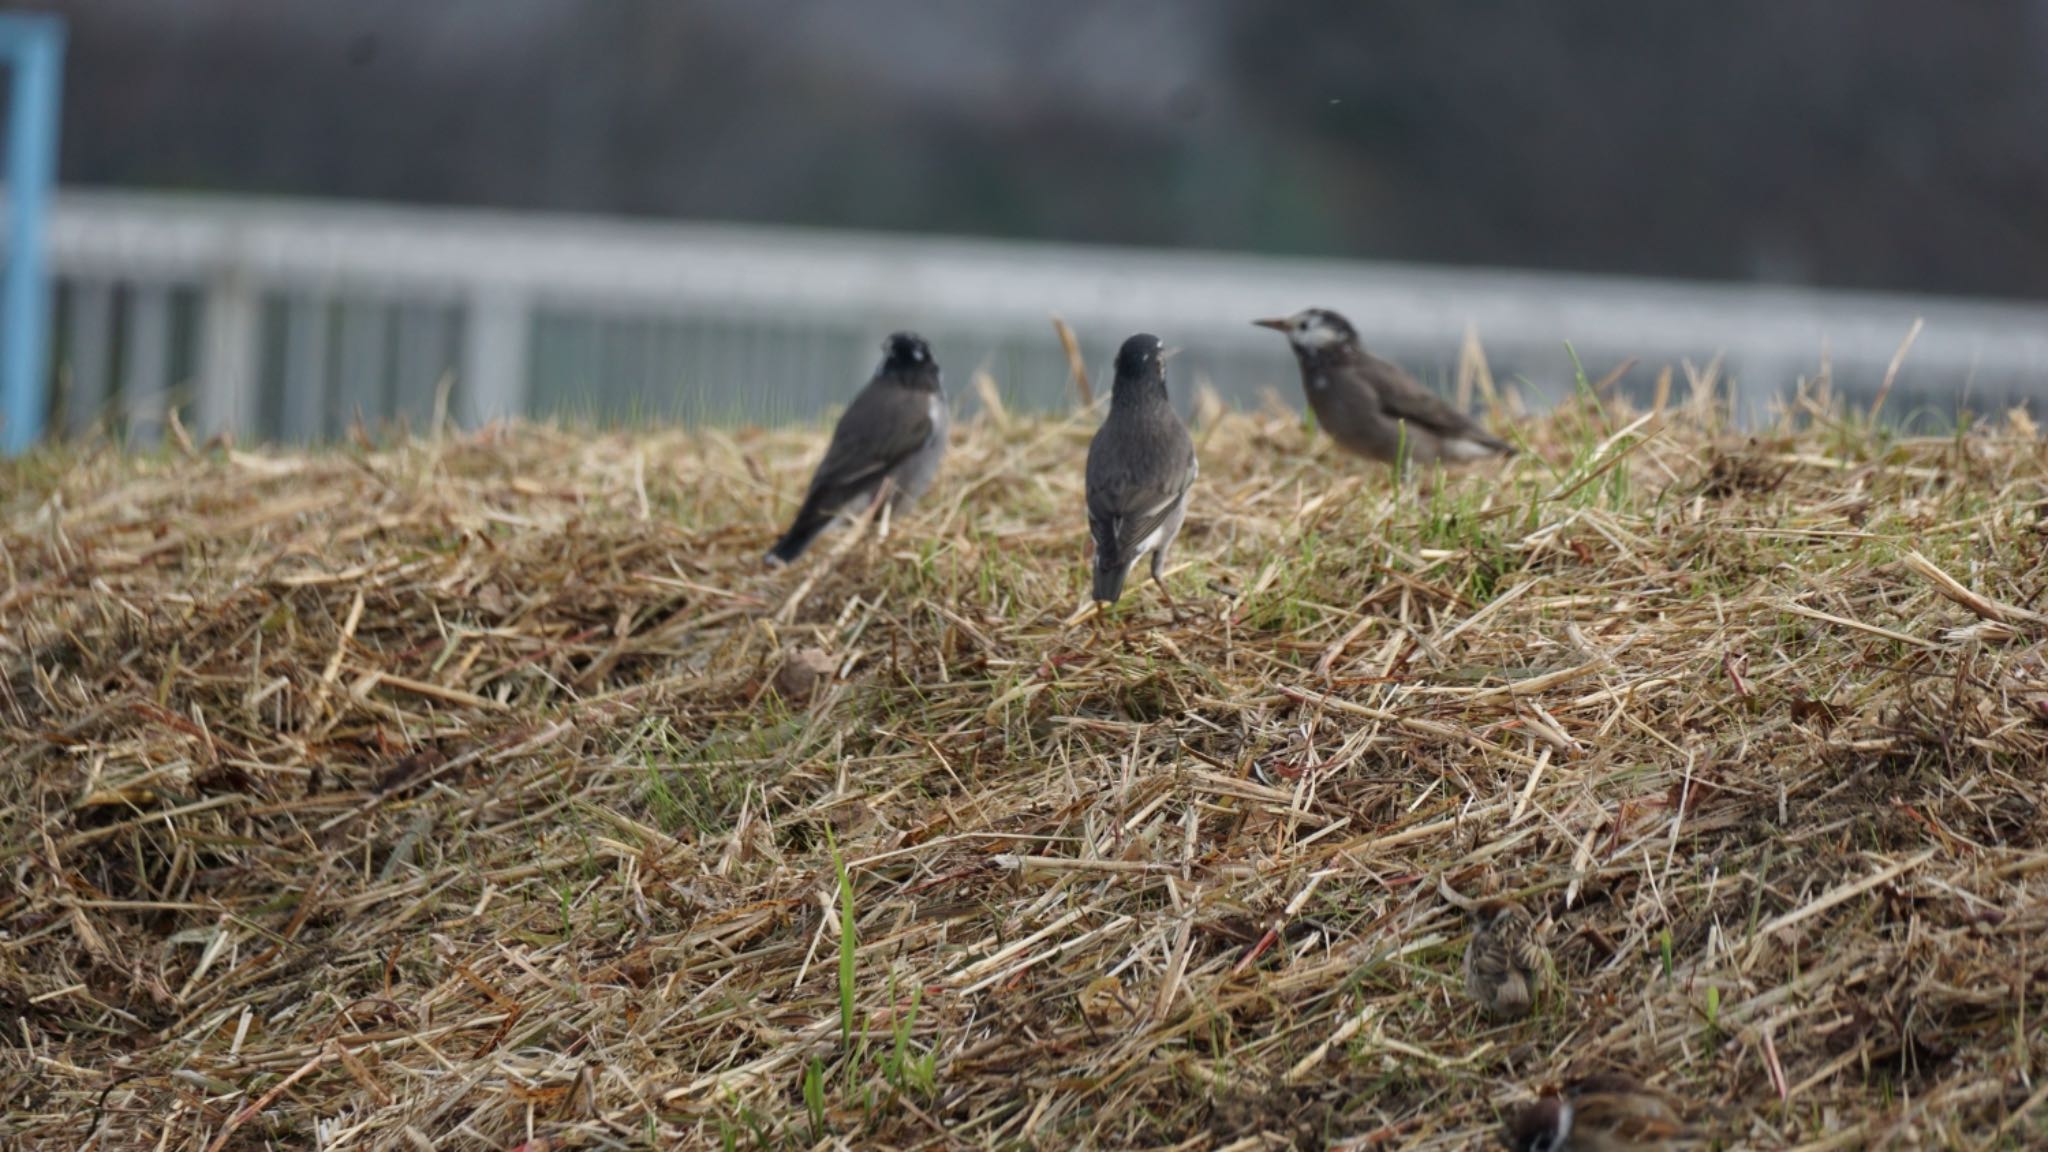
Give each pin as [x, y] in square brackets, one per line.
[1371, 407]
[1603, 1113]
[1140, 467]
[1505, 962]
[893, 433]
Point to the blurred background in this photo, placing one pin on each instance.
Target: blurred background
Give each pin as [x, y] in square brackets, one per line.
[282, 216]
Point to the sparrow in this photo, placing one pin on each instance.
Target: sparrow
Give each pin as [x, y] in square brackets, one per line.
[1608, 1112]
[1140, 467]
[1505, 961]
[891, 437]
[1371, 407]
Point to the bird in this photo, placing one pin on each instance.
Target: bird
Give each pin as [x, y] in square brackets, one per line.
[1371, 407]
[1606, 1112]
[1505, 961]
[1141, 465]
[890, 439]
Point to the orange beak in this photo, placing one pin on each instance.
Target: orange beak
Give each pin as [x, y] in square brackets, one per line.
[1277, 324]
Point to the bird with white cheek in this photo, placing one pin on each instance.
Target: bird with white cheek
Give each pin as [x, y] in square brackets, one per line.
[1371, 407]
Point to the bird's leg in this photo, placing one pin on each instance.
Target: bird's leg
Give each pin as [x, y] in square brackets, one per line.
[882, 505]
[1172, 605]
[1165, 593]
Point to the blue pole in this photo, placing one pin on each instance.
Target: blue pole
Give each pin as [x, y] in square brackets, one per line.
[35, 45]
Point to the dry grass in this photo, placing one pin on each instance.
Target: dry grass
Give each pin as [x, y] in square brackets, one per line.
[443, 796]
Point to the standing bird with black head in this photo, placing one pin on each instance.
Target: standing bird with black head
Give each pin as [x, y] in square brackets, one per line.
[1141, 465]
[890, 439]
[1369, 406]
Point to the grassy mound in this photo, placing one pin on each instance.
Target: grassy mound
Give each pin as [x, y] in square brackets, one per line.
[486, 792]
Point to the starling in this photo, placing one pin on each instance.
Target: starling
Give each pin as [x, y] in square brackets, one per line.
[1140, 467]
[893, 435]
[1371, 407]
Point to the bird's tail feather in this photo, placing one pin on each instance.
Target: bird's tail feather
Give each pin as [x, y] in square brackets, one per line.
[1109, 582]
[810, 520]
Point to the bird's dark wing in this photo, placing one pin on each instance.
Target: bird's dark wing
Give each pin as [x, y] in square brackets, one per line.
[882, 427]
[1137, 473]
[1118, 534]
[1403, 399]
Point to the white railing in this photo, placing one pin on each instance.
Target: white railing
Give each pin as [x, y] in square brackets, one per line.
[281, 318]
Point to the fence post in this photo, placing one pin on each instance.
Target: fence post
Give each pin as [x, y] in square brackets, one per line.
[35, 46]
[227, 376]
[494, 342]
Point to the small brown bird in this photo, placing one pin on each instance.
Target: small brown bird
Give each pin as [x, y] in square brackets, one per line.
[1371, 407]
[1608, 1112]
[1505, 961]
